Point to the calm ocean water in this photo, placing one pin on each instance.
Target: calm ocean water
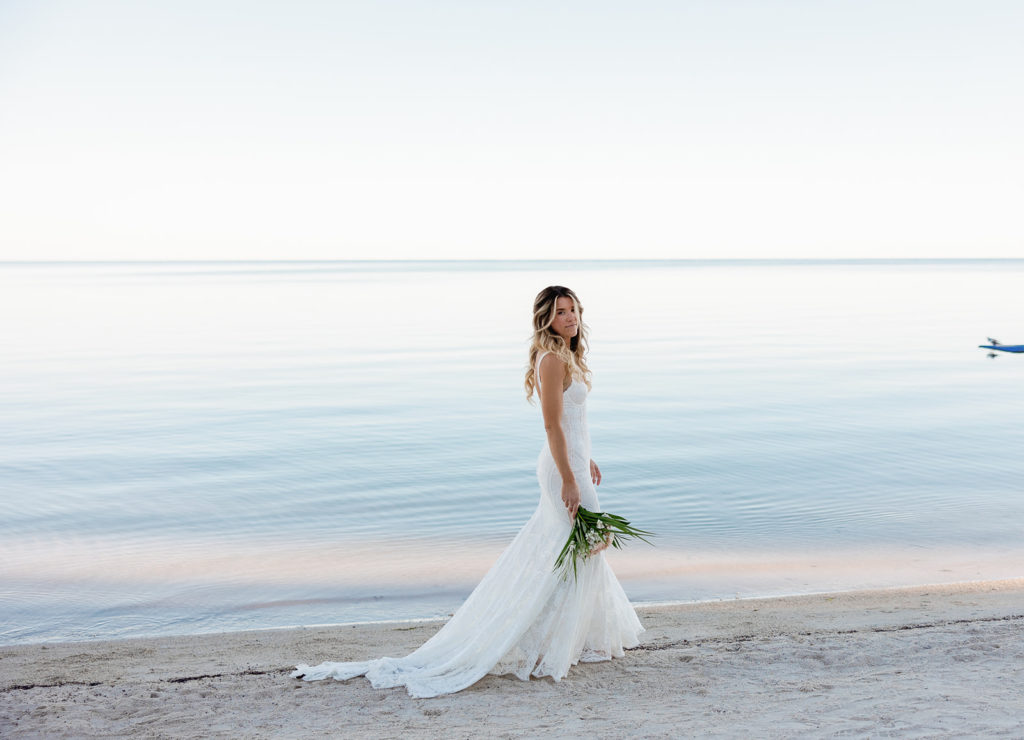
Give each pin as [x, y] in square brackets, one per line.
[196, 447]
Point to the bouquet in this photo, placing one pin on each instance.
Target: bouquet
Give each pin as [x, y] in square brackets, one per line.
[591, 532]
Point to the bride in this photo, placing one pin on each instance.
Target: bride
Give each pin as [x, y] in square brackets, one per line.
[523, 617]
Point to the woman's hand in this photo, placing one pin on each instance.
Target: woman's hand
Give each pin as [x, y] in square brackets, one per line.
[595, 473]
[571, 497]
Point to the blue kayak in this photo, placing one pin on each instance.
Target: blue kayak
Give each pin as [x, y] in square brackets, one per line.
[1004, 347]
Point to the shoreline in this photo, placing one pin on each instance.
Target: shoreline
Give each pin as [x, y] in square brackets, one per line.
[237, 588]
[642, 606]
[938, 660]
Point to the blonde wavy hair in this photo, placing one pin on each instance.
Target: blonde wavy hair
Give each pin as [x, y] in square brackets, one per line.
[546, 340]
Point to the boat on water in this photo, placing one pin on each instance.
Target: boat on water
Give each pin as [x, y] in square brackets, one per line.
[997, 345]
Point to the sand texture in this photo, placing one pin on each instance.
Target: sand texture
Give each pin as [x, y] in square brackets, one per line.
[938, 661]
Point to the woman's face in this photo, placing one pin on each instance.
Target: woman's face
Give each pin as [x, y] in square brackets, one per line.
[566, 323]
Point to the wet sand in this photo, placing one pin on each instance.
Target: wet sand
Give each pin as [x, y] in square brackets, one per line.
[928, 661]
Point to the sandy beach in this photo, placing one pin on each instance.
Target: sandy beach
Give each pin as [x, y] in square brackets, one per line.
[929, 661]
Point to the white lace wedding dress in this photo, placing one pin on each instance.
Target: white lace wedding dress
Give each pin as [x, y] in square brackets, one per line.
[522, 618]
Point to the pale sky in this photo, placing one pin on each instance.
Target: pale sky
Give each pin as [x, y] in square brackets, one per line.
[459, 129]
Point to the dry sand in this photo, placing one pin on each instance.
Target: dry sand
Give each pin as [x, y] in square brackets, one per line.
[937, 661]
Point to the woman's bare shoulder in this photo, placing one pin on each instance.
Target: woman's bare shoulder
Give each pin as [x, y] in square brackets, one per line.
[550, 361]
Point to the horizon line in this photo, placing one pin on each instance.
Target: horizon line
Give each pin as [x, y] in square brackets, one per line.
[506, 260]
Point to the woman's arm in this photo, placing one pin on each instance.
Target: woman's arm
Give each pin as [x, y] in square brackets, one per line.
[552, 373]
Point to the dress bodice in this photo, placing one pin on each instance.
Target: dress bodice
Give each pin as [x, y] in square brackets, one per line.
[574, 416]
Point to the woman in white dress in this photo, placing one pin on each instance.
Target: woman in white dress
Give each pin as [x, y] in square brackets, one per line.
[523, 617]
